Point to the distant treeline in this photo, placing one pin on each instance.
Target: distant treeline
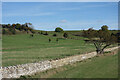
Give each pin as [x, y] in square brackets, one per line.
[80, 33]
[13, 28]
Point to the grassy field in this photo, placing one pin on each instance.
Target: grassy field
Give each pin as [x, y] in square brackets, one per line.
[21, 49]
[97, 67]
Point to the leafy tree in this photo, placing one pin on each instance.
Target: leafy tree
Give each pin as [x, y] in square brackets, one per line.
[12, 28]
[65, 35]
[58, 29]
[3, 31]
[29, 25]
[18, 26]
[101, 38]
[104, 28]
[3, 26]
[33, 31]
[13, 31]
[8, 26]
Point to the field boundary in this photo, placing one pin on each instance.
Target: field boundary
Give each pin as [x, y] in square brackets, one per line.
[32, 68]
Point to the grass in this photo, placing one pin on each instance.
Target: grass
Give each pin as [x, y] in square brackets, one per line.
[97, 67]
[21, 48]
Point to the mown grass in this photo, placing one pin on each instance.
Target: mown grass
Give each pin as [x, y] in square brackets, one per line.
[97, 67]
[21, 49]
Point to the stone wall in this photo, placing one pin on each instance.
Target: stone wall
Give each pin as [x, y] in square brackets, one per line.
[72, 59]
[31, 68]
[25, 69]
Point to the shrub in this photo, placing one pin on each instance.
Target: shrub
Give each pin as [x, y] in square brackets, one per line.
[65, 35]
[13, 31]
[57, 40]
[3, 31]
[23, 77]
[49, 40]
[54, 34]
[38, 32]
[58, 29]
[46, 33]
[41, 32]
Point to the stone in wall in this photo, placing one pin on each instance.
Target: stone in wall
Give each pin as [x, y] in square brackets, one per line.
[31, 68]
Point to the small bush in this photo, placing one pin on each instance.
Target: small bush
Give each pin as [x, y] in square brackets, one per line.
[57, 40]
[38, 32]
[3, 31]
[24, 77]
[13, 31]
[58, 29]
[54, 34]
[49, 40]
[65, 35]
[107, 52]
[41, 32]
[46, 33]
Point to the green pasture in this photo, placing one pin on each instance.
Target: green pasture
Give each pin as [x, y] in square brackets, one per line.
[97, 67]
[21, 48]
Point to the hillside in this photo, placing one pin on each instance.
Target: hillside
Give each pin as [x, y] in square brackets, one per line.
[97, 67]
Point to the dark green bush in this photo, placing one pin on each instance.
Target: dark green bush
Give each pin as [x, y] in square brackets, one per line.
[3, 31]
[23, 77]
[65, 35]
[46, 33]
[58, 29]
[41, 32]
[54, 34]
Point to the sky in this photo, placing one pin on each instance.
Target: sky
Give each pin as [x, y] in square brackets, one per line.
[60, 0]
[67, 15]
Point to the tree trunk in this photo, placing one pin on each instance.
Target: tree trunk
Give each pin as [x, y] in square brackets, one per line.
[99, 49]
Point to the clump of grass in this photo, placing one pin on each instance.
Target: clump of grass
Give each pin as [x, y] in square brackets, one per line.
[107, 52]
[23, 77]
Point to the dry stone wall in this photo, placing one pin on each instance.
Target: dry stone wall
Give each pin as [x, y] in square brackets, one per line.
[25, 69]
[31, 68]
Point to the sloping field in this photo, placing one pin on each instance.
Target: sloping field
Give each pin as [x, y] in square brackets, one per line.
[21, 49]
[97, 67]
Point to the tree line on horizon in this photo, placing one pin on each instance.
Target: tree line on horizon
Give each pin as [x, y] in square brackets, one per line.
[101, 38]
[11, 28]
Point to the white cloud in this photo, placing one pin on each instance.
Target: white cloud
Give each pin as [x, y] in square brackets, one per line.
[63, 21]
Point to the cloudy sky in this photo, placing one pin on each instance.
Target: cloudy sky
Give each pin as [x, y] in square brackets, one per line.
[68, 15]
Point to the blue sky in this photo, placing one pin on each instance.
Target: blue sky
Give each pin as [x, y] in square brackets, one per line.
[67, 15]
